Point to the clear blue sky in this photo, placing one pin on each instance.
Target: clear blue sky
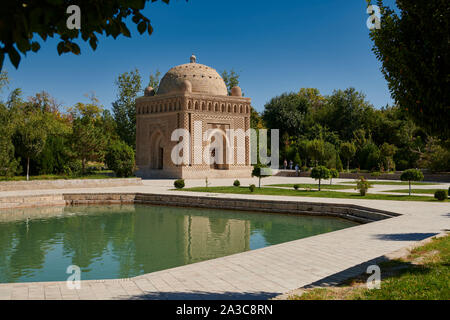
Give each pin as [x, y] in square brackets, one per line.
[276, 46]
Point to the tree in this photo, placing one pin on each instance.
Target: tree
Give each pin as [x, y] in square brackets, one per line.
[287, 112]
[411, 175]
[333, 174]
[9, 165]
[369, 156]
[315, 150]
[261, 171]
[345, 112]
[231, 79]
[30, 137]
[88, 139]
[297, 159]
[256, 121]
[348, 151]
[120, 159]
[124, 108]
[319, 173]
[154, 80]
[23, 21]
[387, 152]
[412, 46]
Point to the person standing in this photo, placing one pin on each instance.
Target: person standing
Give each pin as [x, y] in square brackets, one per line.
[291, 164]
[285, 164]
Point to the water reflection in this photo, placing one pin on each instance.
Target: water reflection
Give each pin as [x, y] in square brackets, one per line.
[125, 241]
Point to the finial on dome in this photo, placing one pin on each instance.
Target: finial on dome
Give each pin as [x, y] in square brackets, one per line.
[193, 59]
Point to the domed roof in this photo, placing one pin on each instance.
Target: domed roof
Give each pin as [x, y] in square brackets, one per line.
[204, 79]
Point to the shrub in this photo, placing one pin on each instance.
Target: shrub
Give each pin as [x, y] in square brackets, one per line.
[363, 186]
[120, 159]
[375, 174]
[411, 175]
[319, 173]
[296, 186]
[179, 184]
[252, 187]
[73, 168]
[441, 195]
[236, 183]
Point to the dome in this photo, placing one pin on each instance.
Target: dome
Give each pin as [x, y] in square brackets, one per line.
[203, 79]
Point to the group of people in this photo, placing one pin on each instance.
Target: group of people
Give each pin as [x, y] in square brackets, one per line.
[291, 166]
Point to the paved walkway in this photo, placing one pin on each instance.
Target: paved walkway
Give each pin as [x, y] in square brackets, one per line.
[262, 273]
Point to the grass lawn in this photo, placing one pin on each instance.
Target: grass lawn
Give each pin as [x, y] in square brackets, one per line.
[312, 193]
[325, 185]
[423, 275]
[57, 177]
[427, 191]
[396, 183]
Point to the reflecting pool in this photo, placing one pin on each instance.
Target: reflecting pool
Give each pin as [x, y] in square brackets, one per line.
[129, 240]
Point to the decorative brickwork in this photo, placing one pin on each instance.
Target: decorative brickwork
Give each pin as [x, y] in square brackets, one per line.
[190, 94]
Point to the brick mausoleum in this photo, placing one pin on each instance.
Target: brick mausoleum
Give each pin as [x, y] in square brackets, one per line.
[194, 97]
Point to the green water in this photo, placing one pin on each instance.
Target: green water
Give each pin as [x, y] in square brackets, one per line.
[124, 241]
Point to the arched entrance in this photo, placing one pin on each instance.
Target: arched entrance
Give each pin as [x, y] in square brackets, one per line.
[157, 151]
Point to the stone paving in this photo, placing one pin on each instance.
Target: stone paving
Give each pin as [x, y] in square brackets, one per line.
[263, 273]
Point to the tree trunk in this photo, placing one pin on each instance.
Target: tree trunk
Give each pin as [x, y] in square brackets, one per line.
[259, 186]
[28, 168]
[348, 165]
[409, 187]
[319, 184]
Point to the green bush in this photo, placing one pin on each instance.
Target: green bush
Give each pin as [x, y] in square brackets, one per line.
[236, 183]
[120, 159]
[179, 184]
[362, 185]
[441, 195]
[252, 187]
[72, 168]
[296, 186]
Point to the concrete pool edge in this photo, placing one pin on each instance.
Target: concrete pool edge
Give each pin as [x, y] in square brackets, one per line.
[261, 273]
[356, 213]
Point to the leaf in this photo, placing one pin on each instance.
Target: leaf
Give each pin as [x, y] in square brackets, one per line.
[75, 48]
[141, 27]
[35, 46]
[60, 47]
[14, 57]
[93, 42]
